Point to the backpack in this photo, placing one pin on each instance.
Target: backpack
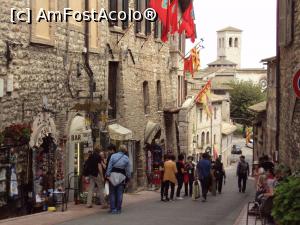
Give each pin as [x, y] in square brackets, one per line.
[243, 168]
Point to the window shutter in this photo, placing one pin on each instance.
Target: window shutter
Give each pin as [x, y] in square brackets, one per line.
[137, 24]
[289, 22]
[113, 6]
[156, 24]
[282, 22]
[125, 9]
[147, 22]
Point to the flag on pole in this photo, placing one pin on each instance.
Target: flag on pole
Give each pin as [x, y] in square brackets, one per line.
[188, 66]
[196, 59]
[168, 14]
[188, 24]
[204, 97]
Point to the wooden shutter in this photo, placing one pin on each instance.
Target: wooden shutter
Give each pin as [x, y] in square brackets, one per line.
[125, 9]
[147, 22]
[137, 24]
[289, 22]
[282, 22]
[113, 6]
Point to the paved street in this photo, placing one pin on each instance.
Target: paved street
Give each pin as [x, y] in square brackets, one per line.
[220, 210]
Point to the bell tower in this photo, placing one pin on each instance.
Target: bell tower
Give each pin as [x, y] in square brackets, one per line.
[229, 44]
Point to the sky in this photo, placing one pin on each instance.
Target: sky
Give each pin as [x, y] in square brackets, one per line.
[257, 19]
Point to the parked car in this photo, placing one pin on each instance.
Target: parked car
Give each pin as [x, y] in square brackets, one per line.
[236, 150]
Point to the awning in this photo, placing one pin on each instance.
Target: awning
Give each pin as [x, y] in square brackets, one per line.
[228, 128]
[119, 133]
[259, 107]
[150, 131]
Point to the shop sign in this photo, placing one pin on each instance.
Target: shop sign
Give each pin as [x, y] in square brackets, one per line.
[296, 84]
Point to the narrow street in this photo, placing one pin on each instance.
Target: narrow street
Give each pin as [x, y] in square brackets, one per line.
[220, 210]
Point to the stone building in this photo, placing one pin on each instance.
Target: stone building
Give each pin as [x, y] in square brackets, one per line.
[288, 63]
[89, 84]
[227, 66]
[200, 133]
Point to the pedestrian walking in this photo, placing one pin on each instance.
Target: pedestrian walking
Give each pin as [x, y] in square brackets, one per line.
[190, 174]
[162, 183]
[111, 150]
[242, 174]
[203, 170]
[220, 175]
[94, 174]
[170, 172]
[213, 179]
[180, 175]
[118, 174]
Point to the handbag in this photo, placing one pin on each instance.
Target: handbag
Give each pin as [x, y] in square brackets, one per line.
[106, 188]
[196, 190]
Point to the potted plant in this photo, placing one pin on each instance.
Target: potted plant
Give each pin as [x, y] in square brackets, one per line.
[286, 203]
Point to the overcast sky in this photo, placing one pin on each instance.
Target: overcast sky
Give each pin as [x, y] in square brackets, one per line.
[257, 19]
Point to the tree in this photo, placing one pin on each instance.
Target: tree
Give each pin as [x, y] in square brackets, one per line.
[243, 95]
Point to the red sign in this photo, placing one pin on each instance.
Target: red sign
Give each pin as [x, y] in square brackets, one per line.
[296, 84]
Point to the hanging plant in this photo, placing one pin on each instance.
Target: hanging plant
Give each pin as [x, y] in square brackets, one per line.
[17, 134]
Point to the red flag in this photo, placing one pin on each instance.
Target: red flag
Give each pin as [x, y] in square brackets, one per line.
[168, 14]
[188, 65]
[161, 8]
[188, 24]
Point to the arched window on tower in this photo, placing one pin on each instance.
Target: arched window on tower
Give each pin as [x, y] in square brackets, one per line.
[230, 42]
[220, 43]
[207, 138]
[223, 43]
[236, 42]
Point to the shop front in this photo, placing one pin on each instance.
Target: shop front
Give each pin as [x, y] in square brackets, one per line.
[154, 151]
[80, 144]
[47, 161]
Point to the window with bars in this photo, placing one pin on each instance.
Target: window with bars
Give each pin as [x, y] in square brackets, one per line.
[159, 96]
[146, 97]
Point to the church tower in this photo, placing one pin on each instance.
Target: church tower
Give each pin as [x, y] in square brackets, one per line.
[229, 45]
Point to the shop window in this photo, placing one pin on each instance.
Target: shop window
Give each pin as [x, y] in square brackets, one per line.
[230, 42]
[42, 32]
[207, 138]
[117, 6]
[236, 42]
[146, 97]
[112, 89]
[158, 94]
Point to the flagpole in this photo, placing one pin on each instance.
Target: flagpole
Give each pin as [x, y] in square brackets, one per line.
[195, 46]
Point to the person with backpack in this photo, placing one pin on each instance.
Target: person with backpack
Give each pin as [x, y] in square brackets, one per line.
[118, 174]
[242, 174]
[219, 174]
[204, 175]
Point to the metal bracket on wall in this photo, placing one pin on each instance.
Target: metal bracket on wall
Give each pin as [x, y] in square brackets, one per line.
[131, 56]
[110, 50]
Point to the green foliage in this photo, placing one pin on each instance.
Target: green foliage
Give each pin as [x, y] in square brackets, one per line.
[243, 95]
[286, 203]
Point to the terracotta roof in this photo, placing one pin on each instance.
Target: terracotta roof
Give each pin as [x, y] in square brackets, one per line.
[259, 107]
[230, 29]
[227, 128]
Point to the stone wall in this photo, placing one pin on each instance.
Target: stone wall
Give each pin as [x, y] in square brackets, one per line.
[289, 105]
[51, 71]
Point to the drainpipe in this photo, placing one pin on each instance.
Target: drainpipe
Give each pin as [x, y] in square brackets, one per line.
[89, 72]
[277, 82]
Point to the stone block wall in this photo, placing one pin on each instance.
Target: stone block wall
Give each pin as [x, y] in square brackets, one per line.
[289, 105]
